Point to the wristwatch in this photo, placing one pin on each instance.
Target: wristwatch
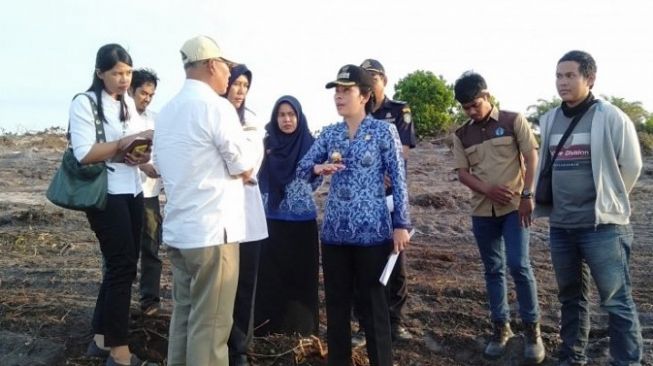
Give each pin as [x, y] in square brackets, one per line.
[526, 194]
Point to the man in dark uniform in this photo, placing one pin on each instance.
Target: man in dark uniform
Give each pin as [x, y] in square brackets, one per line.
[398, 113]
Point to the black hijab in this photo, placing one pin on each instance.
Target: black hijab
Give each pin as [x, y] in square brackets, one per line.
[282, 152]
[236, 71]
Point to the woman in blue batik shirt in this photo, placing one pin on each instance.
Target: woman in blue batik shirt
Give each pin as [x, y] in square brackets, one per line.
[358, 232]
[286, 299]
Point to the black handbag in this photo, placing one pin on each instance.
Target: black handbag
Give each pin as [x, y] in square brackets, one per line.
[544, 188]
[78, 186]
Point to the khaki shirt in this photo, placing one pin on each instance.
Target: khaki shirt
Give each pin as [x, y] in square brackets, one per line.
[490, 150]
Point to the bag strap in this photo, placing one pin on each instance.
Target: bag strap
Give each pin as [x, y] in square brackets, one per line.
[561, 143]
[99, 126]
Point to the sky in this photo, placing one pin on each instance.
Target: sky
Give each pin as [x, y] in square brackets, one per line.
[297, 46]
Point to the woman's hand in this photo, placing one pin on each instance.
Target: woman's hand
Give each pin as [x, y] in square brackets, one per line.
[327, 168]
[400, 237]
[149, 170]
[147, 134]
[137, 158]
[125, 141]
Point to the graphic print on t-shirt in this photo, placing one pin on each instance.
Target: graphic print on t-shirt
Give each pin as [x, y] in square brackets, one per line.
[575, 154]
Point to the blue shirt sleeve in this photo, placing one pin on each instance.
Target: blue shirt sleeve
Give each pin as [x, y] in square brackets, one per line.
[394, 166]
[317, 154]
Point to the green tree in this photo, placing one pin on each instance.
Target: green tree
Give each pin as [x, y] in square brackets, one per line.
[648, 125]
[535, 111]
[431, 101]
[459, 116]
[634, 110]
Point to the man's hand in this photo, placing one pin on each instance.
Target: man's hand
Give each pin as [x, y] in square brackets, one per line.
[499, 194]
[525, 212]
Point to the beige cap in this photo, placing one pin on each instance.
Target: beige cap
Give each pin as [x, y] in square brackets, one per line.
[200, 48]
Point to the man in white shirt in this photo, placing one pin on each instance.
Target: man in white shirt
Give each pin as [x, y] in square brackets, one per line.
[201, 152]
[142, 89]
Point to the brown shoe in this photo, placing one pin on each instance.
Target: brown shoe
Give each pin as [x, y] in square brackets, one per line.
[497, 345]
[534, 352]
[152, 310]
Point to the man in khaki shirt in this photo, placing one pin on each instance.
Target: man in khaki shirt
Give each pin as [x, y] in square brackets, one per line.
[489, 150]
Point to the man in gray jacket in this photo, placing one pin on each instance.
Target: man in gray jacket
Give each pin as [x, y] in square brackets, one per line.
[592, 175]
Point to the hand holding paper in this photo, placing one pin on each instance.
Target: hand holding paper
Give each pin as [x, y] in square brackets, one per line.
[390, 264]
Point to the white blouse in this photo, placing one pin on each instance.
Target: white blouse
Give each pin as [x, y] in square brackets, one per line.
[256, 227]
[122, 178]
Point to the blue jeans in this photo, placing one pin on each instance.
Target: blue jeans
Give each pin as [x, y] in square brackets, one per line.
[604, 252]
[498, 239]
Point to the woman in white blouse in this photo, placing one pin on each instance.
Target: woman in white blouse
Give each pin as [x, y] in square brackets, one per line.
[118, 226]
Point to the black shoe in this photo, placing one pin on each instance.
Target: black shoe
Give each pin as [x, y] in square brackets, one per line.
[93, 350]
[238, 360]
[401, 334]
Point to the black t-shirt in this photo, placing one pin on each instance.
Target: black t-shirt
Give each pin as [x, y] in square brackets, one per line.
[397, 112]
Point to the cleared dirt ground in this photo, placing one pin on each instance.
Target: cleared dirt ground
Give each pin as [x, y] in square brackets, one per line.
[50, 272]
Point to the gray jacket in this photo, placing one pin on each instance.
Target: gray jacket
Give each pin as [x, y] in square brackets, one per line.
[616, 161]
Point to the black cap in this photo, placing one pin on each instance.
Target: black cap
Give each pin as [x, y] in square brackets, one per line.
[350, 75]
[373, 65]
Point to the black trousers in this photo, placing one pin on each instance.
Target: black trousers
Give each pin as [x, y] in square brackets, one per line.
[346, 267]
[150, 281]
[397, 291]
[118, 229]
[287, 296]
[242, 329]
[396, 294]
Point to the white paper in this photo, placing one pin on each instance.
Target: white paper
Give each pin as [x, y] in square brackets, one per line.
[389, 266]
[390, 203]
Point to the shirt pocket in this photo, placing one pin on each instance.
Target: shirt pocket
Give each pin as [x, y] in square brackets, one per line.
[504, 146]
[473, 156]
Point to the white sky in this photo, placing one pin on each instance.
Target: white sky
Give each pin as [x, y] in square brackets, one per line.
[296, 46]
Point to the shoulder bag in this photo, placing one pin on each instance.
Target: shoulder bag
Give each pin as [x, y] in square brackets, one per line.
[544, 189]
[78, 186]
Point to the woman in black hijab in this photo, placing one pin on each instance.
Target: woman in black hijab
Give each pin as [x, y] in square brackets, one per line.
[242, 330]
[287, 300]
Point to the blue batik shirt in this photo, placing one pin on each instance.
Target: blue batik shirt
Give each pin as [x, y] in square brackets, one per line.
[356, 212]
[297, 204]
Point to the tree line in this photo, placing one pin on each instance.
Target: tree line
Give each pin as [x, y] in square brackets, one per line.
[435, 110]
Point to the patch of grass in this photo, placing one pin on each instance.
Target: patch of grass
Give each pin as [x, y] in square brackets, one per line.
[646, 142]
[24, 243]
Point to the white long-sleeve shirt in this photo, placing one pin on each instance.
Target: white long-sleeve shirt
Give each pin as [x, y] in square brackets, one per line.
[122, 178]
[256, 227]
[199, 149]
[151, 186]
